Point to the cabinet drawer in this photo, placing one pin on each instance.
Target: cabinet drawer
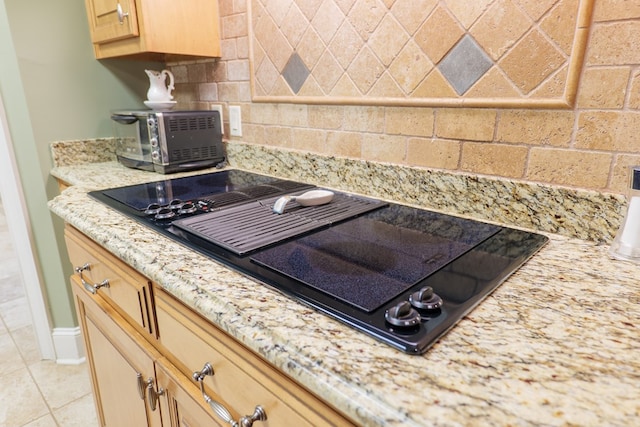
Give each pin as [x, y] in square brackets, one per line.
[241, 379]
[103, 274]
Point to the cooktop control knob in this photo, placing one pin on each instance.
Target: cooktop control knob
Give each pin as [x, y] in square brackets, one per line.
[402, 315]
[426, 299]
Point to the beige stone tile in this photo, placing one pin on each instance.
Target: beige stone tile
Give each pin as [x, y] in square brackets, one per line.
[612, 10]
[434, 86]
[409, 121]
[536, 127]
[531, 60]
[9, 355]
[467, 11]
[345, 144]
[537, 8]
[25, 340]
[554, 87]
[79, 413]
[364, 119]
[234, 26]
[293, 115]
[278, 136]
[433, 153]
[365, 70]
[560, 24]
[46, 421]
[311, 48]
[412, 14]
[493, 85]
[583, 169]
[330, 73]
[327, 20]
[346, 44]
[310, 140]
[11, 286]
[365, 16]
[603, 87]
[15, 313]
[409, 67]
[610, 131]
[325, 116]
[438, 34]
[21, 399]
[614, 44]
[465, 124]
[494, 159]
[386, 87]
[388, 39]
[345, 87]
[500, 28]
[384, 148]
[294, 24]
[61, 384]
[634, 92]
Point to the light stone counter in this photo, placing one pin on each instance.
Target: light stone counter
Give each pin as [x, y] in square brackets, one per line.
[557, 344]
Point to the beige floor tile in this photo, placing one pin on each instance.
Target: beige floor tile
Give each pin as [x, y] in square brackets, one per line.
[21, 400]
[46, 421]
[15, 313]
[10, 358]
[10, 285]
[79, 413]
[25, 340]
[61, 384]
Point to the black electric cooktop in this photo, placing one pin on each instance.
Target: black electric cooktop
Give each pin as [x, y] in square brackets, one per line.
[402, 275]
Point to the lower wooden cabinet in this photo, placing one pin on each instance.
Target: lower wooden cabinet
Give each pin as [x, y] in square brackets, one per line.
[172, 367]
[122, 364]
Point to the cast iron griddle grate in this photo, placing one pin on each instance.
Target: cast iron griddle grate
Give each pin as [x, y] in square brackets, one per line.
[250, 226]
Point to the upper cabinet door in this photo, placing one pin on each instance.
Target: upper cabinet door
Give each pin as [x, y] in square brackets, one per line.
[112, 19]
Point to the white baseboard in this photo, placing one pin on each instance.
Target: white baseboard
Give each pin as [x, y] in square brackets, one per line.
[68, 345]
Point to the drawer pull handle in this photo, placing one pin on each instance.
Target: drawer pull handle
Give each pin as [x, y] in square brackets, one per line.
[88, 286]
[259, 413]
[153, 395]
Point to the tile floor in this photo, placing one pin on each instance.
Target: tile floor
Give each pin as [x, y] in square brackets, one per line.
[33, 392]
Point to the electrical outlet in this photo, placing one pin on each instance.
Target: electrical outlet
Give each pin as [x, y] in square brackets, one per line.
[235, 122]
[218, 108]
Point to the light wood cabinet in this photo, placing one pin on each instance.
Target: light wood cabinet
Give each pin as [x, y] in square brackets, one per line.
[122, 364]
[160, 30]
[143, 347]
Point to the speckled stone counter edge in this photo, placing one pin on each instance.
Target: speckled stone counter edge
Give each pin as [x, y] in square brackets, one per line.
[583, 214]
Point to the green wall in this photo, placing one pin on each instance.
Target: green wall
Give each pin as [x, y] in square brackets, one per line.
[54, 89]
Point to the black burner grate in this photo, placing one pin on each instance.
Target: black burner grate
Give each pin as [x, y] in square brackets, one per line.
[245, 228]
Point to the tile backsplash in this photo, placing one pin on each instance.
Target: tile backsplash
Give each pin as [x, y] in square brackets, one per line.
[342, 95]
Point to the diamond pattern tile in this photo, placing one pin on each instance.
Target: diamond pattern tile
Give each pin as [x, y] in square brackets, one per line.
[465, 64]
[414, 50]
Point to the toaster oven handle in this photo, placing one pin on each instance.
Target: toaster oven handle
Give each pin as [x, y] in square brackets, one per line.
[124, 119]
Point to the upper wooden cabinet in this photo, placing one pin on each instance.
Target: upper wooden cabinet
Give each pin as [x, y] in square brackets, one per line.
[159, 30]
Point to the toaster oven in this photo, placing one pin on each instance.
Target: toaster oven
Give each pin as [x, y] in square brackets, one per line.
[168, 141]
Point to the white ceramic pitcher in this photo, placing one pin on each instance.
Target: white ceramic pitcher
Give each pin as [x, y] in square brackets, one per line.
[158, 90]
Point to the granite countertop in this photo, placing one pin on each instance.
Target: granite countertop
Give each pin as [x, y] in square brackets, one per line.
[556, 344]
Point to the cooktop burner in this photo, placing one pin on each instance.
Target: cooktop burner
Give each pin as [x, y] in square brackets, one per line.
[400, 274]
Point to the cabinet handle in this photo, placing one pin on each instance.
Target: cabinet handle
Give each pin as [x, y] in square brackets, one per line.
[259, 413]
[121, 14]
[88, 286]
[141, 385]
[153, 395]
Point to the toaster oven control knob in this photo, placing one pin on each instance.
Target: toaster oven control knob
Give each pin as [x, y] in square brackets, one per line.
[426, 299]
[154, 141]
[403, 315]
[151, 122]
[155, 155]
